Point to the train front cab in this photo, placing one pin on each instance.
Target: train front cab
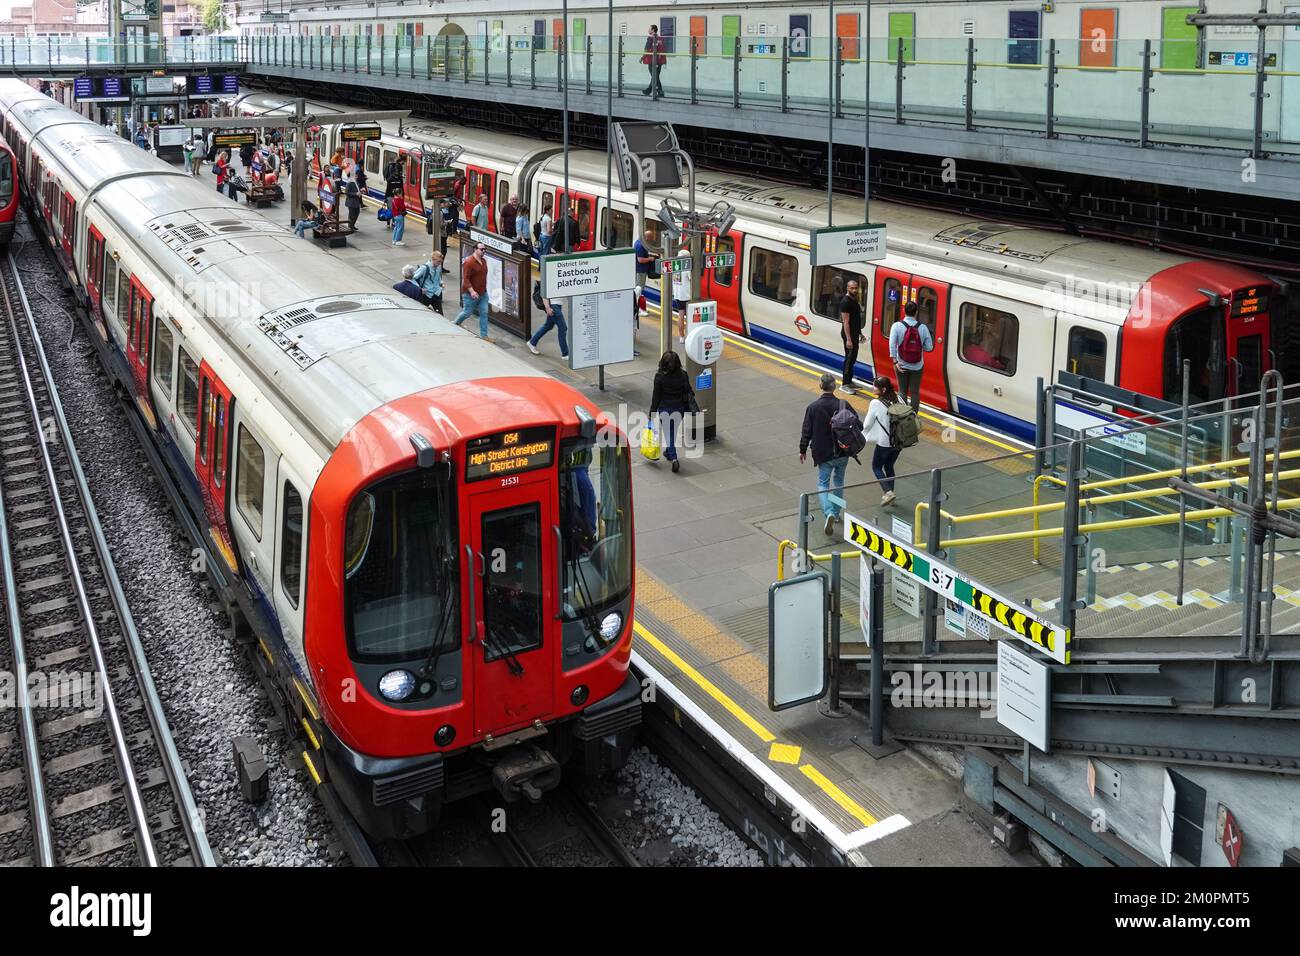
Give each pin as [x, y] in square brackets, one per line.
[8, 195]
[1216, 317]
[484, 619]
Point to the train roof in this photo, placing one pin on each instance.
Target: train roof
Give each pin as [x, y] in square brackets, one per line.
[332, 342]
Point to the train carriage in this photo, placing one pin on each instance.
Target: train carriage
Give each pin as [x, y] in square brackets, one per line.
[431, 542]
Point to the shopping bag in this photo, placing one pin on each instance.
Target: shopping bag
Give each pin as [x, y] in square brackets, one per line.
[384, 214]
[650, 443]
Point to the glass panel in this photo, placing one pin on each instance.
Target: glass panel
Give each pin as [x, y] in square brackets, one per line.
[988, 338]
[250, 473]
[163, 342]
[512, 580]
[291, 545]
[724, 275]
[595, 521]
[1086, 353]
[829, 285]
[205, 430]
[402, 569]
[1197, 338]
[124, 300]
[773, 275]
[890, 311]
[1250, 356]
[219, 440]
[189, 392]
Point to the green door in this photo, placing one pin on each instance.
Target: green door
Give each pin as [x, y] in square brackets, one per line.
[1178, 47]
[730, 31]
[902, 26]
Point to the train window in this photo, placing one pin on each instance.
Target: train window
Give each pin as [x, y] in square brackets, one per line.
[291, 545]
[988, 338]
[110, 284]
[218, 440]
[205, 430]
[1086, 353]
[584, 221]
[891, 295]
[512, 589]
[250, 474]
[927, 303]
[1197, 338]
[412, 171]
[503, 193]
[548, 204]
[6, 178]
[372, 160]
[124, 300]
[187, 400]
[655, 228]
[621, 225]
[594, 522]
[725, 275]
[829, 284]
[389, 156]
[402, 568]
[163, 345]
[773, 275]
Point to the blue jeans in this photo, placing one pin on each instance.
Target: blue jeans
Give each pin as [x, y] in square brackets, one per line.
[399, 227]
[302, 226]
[830, 474]
[470, 306]
[882, 463]
[554, 321]
[546, 244]
[668, 421]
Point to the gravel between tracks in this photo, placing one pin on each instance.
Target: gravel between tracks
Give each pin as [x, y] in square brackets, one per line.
[207, 688]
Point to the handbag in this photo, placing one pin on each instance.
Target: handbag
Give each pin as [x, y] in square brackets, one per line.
[650, 443]
[646, 59]
[384, 214]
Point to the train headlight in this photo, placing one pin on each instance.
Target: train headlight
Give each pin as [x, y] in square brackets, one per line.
[611, 626]
[397, 685]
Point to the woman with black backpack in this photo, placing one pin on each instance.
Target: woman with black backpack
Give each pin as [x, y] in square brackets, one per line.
[877, 428]
[672, 398]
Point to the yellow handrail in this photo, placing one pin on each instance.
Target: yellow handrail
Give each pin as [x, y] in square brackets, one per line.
[787, 543]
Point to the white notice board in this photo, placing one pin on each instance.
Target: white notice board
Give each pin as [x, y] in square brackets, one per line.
[1024, 695]
[600, 329]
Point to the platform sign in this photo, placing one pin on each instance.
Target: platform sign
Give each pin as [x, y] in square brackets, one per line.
[946, 581]
[841, 245]
[701, 313]
[588, 273]
[360, 133]
[1024, 695]
[491, 240]
[601, 329]
[440, 183]
[719, 260]
[675, 267]
[230, 83]
[797, 637]
[236, 140]
[83, 87]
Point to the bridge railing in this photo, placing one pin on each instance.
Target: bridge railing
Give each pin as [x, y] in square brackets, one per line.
[101, 51]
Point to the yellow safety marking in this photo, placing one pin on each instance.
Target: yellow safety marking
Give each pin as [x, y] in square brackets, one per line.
[849, 805]
[785, 753]
[311, 768]
[311, 708]
[310, 734]
[266, 651]
[761, 732]
[805, 370]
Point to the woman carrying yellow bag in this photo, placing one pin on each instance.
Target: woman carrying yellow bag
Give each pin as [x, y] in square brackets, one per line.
[650, 442]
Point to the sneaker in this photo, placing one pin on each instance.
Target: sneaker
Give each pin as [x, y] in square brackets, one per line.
[847, 390]
[888, 498]
[399, 243]
[829, 528]
[533, 348]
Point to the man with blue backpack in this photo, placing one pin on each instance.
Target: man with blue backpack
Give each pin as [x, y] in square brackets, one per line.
[832, 429]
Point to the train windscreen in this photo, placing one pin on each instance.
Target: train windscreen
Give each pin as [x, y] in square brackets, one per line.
[6, 178]
[595, 523]
[1197, 338]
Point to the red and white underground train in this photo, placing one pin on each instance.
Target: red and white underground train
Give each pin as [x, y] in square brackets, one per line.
[1006, 304]
[431, 541]
[8, 194]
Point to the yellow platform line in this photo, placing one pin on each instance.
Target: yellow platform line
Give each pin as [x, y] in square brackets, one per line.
[820, 780]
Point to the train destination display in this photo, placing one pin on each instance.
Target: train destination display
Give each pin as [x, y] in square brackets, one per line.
[507, 453]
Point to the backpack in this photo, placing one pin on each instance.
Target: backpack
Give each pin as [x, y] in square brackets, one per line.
[537, 296]
[846, 429]
[537, 230]
[911, 348]
[904, 429]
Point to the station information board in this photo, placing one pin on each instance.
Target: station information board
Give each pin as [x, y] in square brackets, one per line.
[508, 453]
[98, 89]
[440, 183]
[360, 133]
[228, 140]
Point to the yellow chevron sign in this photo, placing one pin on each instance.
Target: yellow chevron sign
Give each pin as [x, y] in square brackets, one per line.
[945, 580]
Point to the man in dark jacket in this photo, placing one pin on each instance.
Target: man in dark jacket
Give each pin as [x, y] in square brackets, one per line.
[830, 462]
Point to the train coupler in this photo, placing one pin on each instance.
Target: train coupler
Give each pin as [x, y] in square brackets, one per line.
[527, 772]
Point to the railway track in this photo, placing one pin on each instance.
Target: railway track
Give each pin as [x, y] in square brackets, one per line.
[89, 773]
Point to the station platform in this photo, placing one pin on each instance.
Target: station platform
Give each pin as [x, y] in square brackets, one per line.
[707, 541]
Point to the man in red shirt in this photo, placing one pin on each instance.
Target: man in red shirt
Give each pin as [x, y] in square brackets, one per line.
[473, 290]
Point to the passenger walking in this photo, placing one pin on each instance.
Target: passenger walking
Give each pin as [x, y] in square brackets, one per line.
[222, 169]
[522, 234]
[654, 59]
[196, 156]
[450, 224]
[473, 290]
[352, 199]
[187, 154]
[878, 430]
[850, 333]
[554, 320]
[546, 229]
[509, 213]
[399, 218]
[831, 460]
[671, 399]
[909, 340]
[479, 215]
[429, 278]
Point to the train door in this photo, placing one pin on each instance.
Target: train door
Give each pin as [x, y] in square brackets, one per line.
[478, 182]
[583, 210]
[722, 285]
[68, 214]
[893, 290]
[94, 267]
[513, 547]
[210, 457]
[413, 165]
[1083, 347]
[290, 535]
[250, 524]
[140, 310]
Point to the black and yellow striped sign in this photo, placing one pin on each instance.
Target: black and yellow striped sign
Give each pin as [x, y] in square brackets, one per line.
[945, 580]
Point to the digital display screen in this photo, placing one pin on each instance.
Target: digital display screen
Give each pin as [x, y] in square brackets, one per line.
[1249, 302]
[112, 86]
[508, 453]
[223, 140]
[200, 85]
[230, 83]
[360, 134]
[82, 87]
[97, 88]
